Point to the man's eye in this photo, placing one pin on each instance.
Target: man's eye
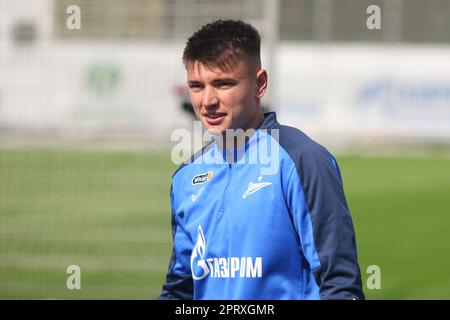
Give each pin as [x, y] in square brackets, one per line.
[195, 87]
[225, 84]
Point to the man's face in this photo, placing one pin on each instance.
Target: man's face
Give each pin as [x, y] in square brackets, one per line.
[226, 99]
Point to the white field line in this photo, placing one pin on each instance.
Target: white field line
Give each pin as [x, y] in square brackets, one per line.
[37, 234]
[41, 289]
[60, 262]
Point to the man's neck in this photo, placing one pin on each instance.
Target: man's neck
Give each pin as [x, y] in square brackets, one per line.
[233, 138]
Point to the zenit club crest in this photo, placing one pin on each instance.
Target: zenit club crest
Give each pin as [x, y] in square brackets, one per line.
[202, 178]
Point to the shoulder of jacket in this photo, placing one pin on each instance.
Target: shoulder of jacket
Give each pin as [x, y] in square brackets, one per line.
[300, 147]
[194, 157]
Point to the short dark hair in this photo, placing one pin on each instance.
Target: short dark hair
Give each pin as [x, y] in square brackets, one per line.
[223, 42]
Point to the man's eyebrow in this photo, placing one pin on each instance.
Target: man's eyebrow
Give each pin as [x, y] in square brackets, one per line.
[192, 82]
[214, 82]
[227, 80]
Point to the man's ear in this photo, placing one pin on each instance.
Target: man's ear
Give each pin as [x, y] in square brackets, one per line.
[261, 83]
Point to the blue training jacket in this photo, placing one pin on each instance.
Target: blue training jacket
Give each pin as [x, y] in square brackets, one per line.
[267, 220]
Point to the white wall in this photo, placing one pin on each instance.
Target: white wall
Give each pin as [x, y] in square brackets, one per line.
[344, 91]
[366, 90]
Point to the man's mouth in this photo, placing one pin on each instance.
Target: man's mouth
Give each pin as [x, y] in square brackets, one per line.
[214, 119]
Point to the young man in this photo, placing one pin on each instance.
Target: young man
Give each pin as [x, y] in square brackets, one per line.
[247, 226]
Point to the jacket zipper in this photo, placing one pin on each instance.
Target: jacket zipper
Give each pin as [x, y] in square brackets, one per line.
[225, 192]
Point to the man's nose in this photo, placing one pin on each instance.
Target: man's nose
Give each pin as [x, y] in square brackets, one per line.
[210, 98]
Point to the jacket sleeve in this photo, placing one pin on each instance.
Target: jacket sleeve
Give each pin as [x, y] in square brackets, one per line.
[322, 219]
[179, 283]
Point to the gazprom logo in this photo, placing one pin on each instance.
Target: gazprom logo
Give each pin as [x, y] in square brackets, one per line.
[223, 267]
[198, 264]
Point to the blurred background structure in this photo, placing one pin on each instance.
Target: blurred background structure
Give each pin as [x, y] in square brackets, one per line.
[86, 116]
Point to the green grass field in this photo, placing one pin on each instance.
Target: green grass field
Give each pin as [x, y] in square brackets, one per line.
[109, 213]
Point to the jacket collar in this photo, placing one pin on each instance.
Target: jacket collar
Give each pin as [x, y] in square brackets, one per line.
[270, 121]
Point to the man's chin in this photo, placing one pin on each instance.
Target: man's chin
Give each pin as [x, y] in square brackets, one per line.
[215, 131]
